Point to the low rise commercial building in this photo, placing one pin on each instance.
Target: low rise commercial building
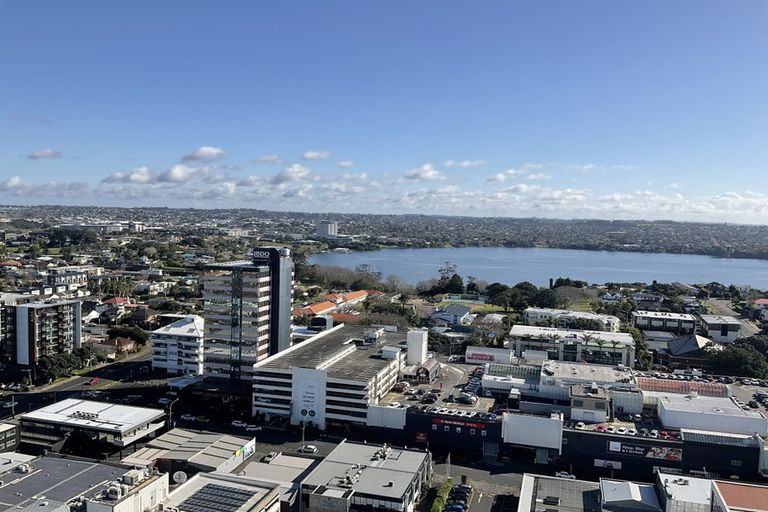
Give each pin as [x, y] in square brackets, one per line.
[678, 323]
[358, 476]
[108, 424]
[565, 319]
[9, 437]
[206, 492]
[597, 347]
[724, 329]
[178, 348]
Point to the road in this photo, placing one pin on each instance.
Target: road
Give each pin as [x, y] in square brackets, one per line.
[723, 307]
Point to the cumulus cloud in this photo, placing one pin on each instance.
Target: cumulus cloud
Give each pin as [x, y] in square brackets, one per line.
[180, 173]
[295, 172]
[317, 155]
[504, 175]
[16, 186]
[345, 164]
[136, 175]
[268, 159]
[203, 154]
[426, 172]
[538, 176]
[464, 163]
[47, 154]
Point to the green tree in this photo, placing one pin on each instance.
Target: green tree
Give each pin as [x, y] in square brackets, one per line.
[454, 285]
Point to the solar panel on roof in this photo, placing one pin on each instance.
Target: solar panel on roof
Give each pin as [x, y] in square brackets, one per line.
[217, 498]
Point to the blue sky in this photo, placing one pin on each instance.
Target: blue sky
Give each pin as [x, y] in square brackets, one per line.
[607, 109]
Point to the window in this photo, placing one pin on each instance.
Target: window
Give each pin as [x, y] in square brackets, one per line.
[447, 428]
[471, 431]
[735, 463]
[434, 427]
[458, 430]
[482, 433]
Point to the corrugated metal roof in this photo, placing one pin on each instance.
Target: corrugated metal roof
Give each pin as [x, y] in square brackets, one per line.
[683, 387]
[713, 438]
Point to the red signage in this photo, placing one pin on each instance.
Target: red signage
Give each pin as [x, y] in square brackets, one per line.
[457, 423]
[479, 356]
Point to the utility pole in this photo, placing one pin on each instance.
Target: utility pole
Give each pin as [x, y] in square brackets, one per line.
[170, 413]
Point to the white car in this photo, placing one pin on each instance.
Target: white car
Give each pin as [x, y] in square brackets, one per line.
[395, 404]
[580, 426]
[610, 430]
[187, 417]
[566, 475]
[239, 424]
[621, 431]
[164, 401]
[252, 428]
[308, 448]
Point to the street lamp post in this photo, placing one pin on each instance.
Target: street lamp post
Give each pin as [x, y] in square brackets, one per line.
[170, 413]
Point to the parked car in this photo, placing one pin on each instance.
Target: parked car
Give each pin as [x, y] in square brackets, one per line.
[202, 419]
[580, 426]
[187, 417]
[566, 475]
[238, 423]
[270, 457]
[252, 428]
[93, 381]
[308, 448]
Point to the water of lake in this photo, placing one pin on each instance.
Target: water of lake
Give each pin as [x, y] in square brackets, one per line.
[512, 265]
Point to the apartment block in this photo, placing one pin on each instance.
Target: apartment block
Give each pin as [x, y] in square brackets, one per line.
[177, 348]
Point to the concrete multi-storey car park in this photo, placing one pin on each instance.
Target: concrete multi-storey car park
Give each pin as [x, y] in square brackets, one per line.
[247, 314]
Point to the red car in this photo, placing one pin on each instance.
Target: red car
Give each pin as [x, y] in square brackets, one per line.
[93, 381]
[601, 427]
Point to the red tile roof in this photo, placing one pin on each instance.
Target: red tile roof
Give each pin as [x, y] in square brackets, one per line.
[761, 302]
[317, 308]
[682, 386]
[117, 300]
[743, 496]
[354, 295]
[10, 263]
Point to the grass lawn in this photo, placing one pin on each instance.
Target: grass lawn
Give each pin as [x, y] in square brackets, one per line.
[476, 308]
[581, 305]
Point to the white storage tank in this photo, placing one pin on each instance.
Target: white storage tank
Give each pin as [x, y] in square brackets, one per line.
[417, 347]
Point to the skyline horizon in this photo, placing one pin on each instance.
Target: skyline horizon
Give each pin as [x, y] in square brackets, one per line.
[555, 110]
[418, 214]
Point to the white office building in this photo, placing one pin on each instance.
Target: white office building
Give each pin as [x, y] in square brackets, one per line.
[574, 345]
[178, 347]
[334, 376]
[724, 329]
[547, 317]
[678, 323]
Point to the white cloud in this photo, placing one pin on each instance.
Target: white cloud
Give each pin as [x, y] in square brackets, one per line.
[180, 173]
[538, 176]
[269, 159]
[295, 172]
[48, 154]
[504, 175]
[204, 154]
[426, 172]
[345, 164]
[464, 163]
[317, 155]
[16, 186]
[136, 175]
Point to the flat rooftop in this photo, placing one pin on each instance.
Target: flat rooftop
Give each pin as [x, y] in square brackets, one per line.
[533, 331]
[584, 372]
[721, 406]
[719, 319]
[539, 493]
[686, 488]
[58, 479]
[368, 472]
[361, 363]
[102, 416]
[665, 315]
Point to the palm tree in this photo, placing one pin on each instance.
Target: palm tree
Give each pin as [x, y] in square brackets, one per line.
[403, 299]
